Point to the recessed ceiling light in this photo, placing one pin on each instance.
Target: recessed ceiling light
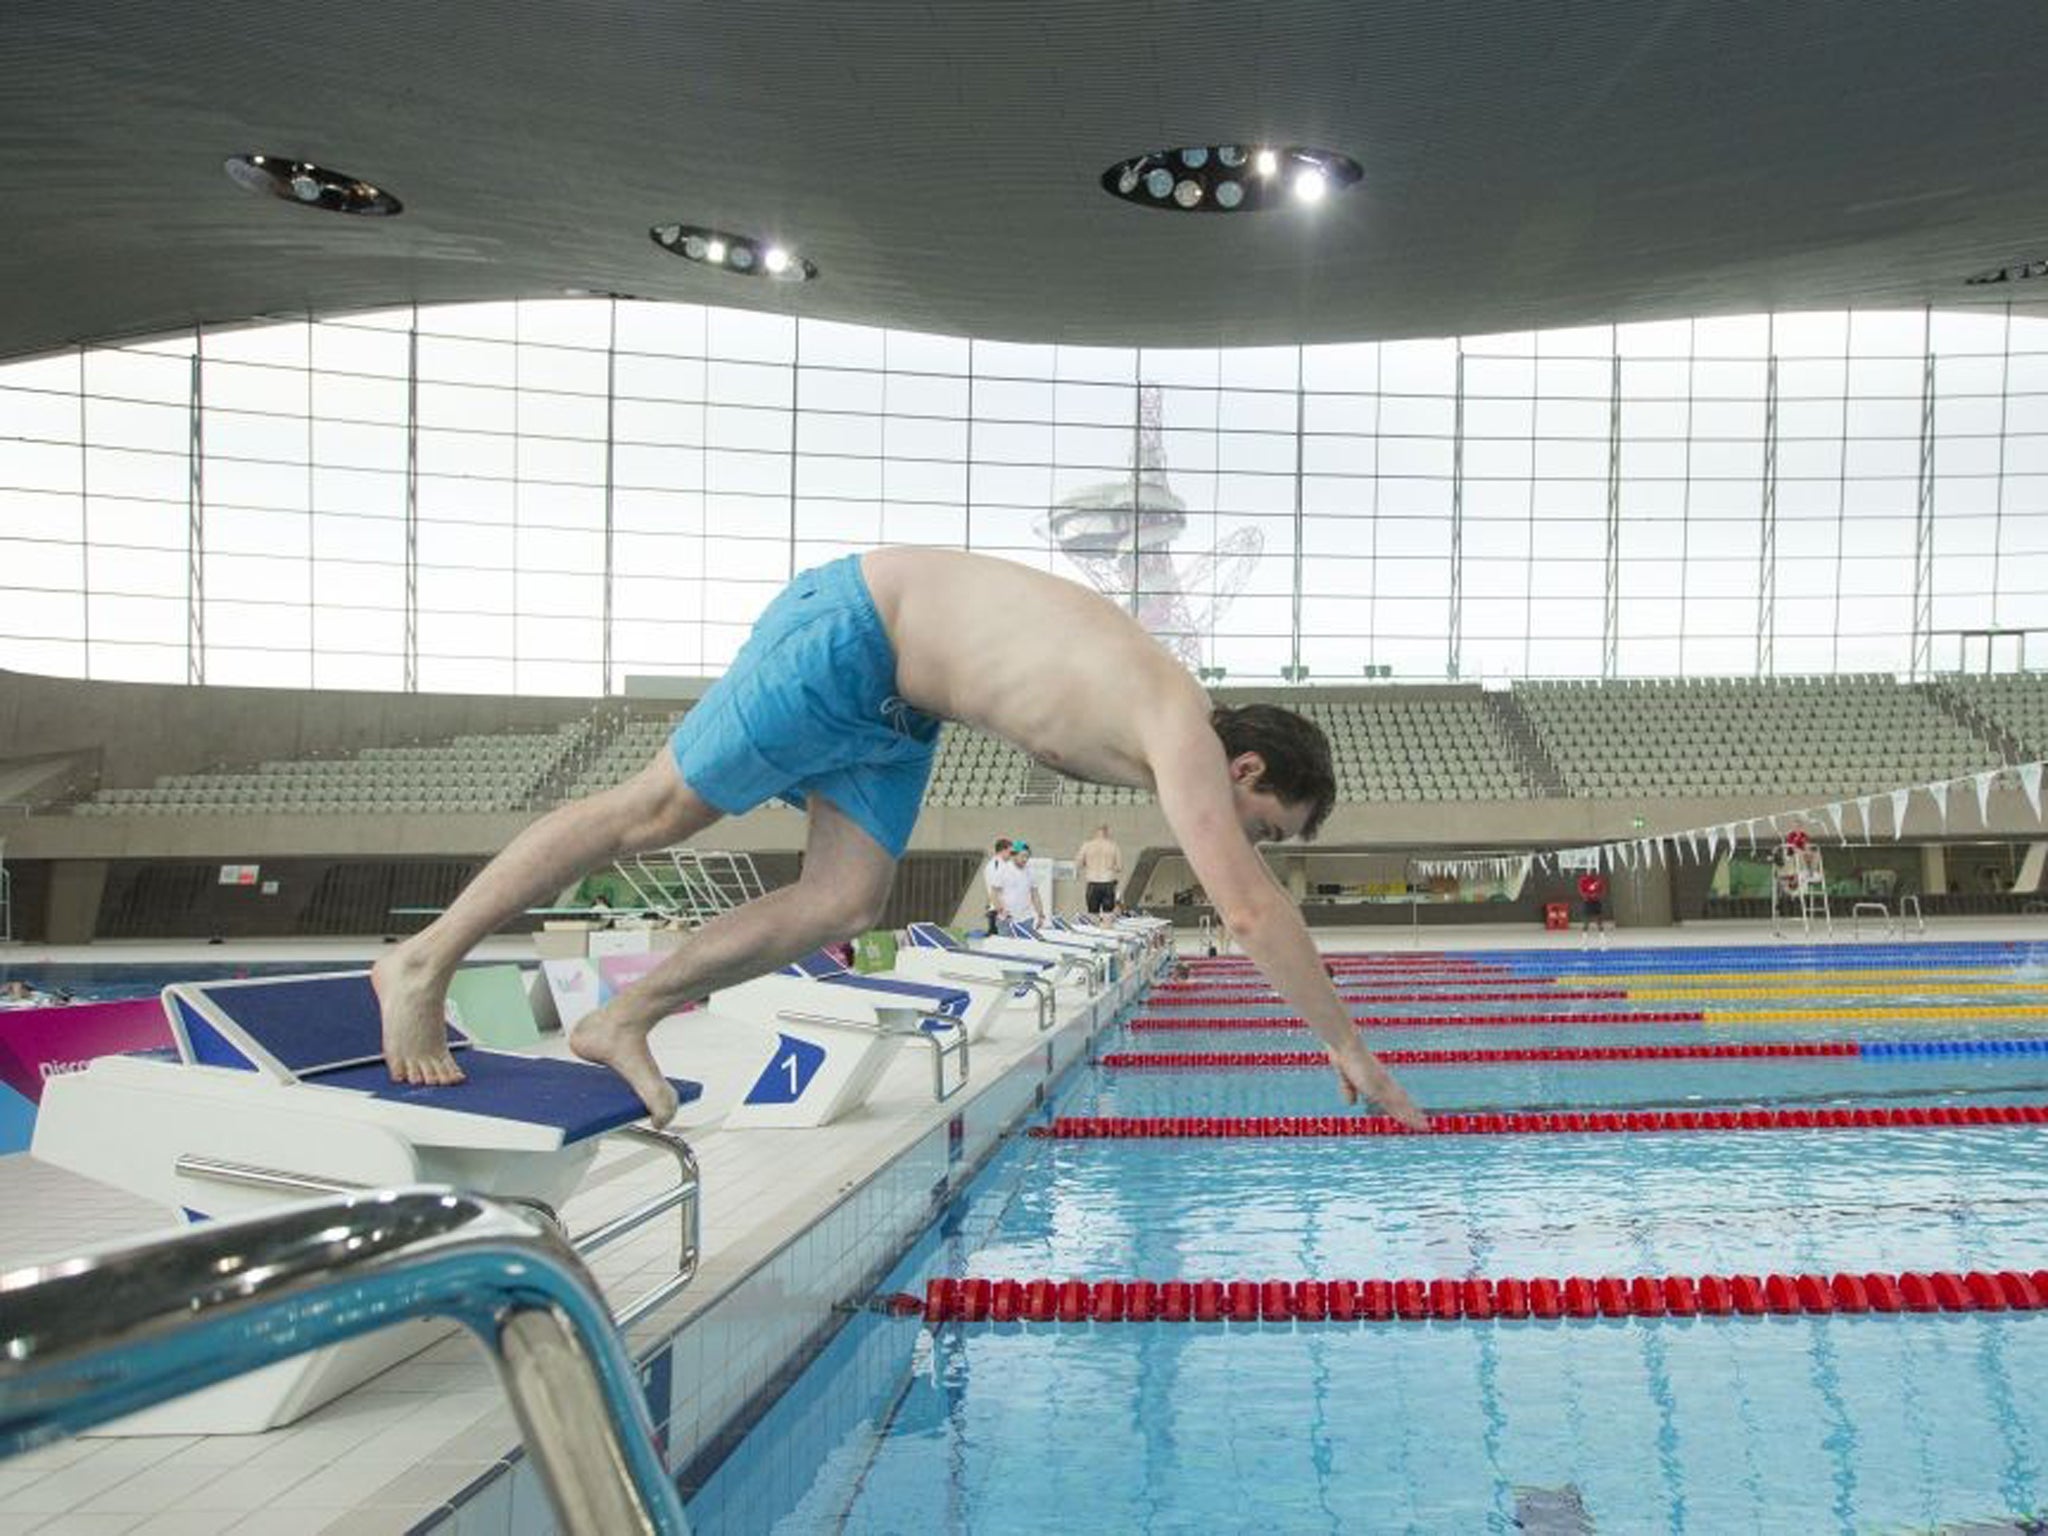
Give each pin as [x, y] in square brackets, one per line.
[310, 185]
[1211, 179]
[2019, 272]
[742, 255]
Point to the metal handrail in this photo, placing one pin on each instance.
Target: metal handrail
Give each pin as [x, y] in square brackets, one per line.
[1882, 912]
[93, 1339]
[914, 1031]
[1042, 990]
[685, 1193]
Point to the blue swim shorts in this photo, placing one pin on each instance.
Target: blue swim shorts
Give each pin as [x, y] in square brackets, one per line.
[809, 707]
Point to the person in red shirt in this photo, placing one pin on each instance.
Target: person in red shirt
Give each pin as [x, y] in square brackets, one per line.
[1593, 906]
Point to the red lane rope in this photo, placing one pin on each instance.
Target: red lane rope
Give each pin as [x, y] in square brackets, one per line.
[1258, 983]
[1233, 964]
[1219, 1127]
[1477, 1300]
[1162, 1021]
[1179, 1061]
[1211, 998]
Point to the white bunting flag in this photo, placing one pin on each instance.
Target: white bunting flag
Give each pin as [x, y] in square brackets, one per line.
[1835, 815]
[1863, 812]
[1900, 797]
[1940, 793]
[2030, 781]
[1983, 782]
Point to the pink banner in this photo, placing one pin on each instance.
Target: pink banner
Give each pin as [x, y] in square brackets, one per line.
[37, 1044]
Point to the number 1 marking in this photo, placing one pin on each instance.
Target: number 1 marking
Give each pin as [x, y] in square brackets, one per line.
[789, 1064]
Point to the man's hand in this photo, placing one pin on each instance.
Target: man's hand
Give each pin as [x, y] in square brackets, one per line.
[1360, 1075]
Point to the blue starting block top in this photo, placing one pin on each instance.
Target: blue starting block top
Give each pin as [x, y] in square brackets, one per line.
[578, 1098]
[307, 1024]
[822, 965]
[325, 1032]
[932, 936]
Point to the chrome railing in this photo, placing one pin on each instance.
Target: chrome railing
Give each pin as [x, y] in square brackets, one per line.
[903, 1024]
[88, 1340]
[1042, 990]
[685, 1194]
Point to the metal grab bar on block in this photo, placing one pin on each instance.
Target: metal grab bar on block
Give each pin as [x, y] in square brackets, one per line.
[93, 1339]
[250, 1176]
[1046, 994]
[1094, 969]
[911, 1031]
[686, 1192]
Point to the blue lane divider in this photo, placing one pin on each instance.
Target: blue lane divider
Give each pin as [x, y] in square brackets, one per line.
[1873, 1048]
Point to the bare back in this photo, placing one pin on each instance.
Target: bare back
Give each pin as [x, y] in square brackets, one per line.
[1084, 696]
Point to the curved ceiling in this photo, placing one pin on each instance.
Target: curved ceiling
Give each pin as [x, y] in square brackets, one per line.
[1525, 165]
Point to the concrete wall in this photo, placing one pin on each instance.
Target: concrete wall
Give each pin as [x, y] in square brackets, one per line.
[141, 730]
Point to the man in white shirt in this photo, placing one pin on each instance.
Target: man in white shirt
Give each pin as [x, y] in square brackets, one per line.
[1016, 893]
[989, 872]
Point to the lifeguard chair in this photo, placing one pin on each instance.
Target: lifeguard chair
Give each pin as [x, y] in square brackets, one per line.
[1799, 887]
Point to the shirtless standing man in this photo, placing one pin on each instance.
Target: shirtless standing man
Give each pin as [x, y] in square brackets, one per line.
[835, 703]
[1100, 864]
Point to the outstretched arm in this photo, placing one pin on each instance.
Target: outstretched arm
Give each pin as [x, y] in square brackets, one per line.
[1192, 778]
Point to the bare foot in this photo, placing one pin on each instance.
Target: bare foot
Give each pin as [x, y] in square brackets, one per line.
[623, 1047]
[414, 1004]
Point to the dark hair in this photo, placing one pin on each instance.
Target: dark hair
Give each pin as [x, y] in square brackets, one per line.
[1296, 751]
[1001, 844]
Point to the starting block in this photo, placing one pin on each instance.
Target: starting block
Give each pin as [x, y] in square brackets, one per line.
[278, 1090]
[930, 953]
[836, 1031]
[1143, 945]
[1099, 955]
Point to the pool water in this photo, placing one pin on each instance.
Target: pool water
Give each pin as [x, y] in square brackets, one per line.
[1903, 1422]
[95, 982]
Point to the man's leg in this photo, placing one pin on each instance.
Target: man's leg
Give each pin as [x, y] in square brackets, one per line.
[650, 810]
[844, 885]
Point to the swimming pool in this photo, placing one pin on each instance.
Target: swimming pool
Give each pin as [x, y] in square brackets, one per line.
[1609, 1423]
[108, 981]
